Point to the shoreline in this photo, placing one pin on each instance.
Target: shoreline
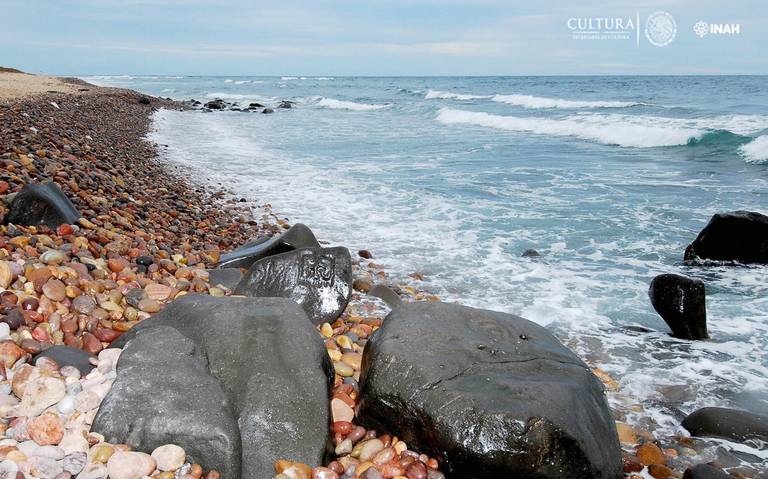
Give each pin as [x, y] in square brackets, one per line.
[132, 164]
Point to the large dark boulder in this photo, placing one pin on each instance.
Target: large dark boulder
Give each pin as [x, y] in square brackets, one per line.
[705, 471]
[488, 394]
[38, 203]
[735, 236]
[230, 378]
[298, 236]
[725, 423]
[319, 279]
[680, 301]
[68, 356]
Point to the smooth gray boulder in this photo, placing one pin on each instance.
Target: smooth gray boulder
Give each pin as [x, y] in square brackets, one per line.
[164, 394]
[297, 236]
[319, 279]
[269, 362]
[734, 236]
[732, 424]
[681, 302]
[45, 203]
[488, 394]
[68, 356]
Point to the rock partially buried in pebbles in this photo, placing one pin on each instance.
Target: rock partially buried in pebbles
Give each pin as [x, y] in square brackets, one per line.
[725, 423]
[735, 236]
[705, 471]
[319, 279]
[487, 394]
[680, 301]
[273, 381]
[42, 203]
[298, 236]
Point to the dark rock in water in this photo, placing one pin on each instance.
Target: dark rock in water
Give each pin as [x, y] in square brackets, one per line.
[488, 394]
[680, 301]
[68, 356]
[227, 277]
[42, 203]
[725, 423]
[530, 253]
[143, 100]
[705, 471]
[735, 236]
[284, 104]
[255, 105]
[298, 236]
[267, 110]
[217, 104]
[364, 253]
[319, 279]
[260, 379]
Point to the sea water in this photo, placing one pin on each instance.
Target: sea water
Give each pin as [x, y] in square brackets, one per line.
[608, 178]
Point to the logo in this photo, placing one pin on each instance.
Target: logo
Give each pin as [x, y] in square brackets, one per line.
[660, 29]
[701, 28]
[601, 28]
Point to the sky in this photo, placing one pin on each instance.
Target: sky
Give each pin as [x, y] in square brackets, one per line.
[374, 37]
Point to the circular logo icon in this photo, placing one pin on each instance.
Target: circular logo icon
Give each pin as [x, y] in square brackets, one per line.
[660, 29]
[701, 28]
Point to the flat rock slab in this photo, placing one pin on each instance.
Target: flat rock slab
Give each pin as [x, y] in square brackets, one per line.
[488, 394]
[732, 424]
[68, 356]
[734, 236]
[319, 279]
[297, 236]
[264, 356]
[681, 302]
[38, 203]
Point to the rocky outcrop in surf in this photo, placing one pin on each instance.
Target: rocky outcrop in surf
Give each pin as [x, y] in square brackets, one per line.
[740, 236]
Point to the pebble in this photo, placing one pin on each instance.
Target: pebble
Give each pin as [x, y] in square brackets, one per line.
[53, 257]
[650, 453]
[169, 457]
[367, 449]
[55, 290]
[130, 465]
[75, 462]
[340, 411]
[149, 305]
[46, 429]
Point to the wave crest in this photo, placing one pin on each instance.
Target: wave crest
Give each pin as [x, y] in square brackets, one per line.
[529, 101]
[348, 105]
[756, 151]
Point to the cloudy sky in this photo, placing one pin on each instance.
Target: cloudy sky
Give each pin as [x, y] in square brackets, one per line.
[370, 37]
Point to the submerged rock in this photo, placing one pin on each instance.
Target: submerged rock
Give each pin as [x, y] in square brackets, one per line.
[735, 236]
[487, 394]
[725, 423]
[42, 203]
[705, 471]
[680, 301]
[319, 279]
[298, 236]
[239, 381]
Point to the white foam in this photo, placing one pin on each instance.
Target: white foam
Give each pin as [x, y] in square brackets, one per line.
[238, 96]
[611, 129]
[446, 95]
[529, 101]
[756, 151]
[289, 78]
[348, 105]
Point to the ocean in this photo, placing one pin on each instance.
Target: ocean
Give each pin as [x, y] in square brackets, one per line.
[608, 178]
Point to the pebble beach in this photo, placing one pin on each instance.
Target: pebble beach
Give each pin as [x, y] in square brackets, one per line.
[149, 234]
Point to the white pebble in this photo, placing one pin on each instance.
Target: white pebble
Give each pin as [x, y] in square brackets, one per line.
[5, 331]
[67, 405]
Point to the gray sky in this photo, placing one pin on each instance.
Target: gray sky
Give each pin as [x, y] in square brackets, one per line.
[372, 37]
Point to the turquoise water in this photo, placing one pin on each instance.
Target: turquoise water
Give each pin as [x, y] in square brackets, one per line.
[609, 178]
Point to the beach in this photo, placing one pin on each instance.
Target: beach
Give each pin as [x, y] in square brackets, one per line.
[159, 211]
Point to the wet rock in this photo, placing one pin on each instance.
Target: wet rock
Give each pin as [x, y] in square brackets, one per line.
[486, 381]
[284, 104]
[530, 253]
[68, 356]
[319, 279]
[38, 203]
[227, 277]
[734, 236]
[705, 471]
[725, 423]
[143, 100]
[217, 104]
[298, 236]
[242, 356]
[267, 110]
[680, 301]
